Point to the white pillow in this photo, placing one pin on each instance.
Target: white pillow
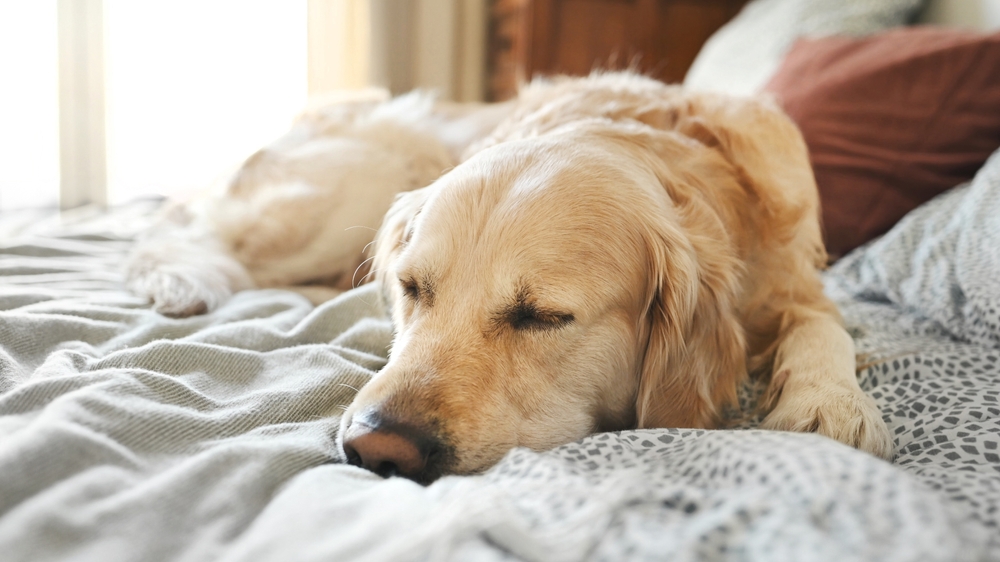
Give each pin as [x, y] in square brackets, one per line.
[742, 56]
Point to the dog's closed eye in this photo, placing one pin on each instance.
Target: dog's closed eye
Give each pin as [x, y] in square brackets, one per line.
[418, 291]
[525, 317]
[410, 288]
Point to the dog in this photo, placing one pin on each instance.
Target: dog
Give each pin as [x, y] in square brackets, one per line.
[610, 253]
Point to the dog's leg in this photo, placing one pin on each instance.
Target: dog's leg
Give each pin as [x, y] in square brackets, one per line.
[816, 388]
[184, 274]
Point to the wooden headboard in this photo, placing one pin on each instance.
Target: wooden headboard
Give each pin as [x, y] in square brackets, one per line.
[657, 37]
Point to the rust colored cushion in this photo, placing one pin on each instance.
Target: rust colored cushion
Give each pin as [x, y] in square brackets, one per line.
[891, 120]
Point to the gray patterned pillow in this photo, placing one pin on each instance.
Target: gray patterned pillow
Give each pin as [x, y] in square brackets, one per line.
[741, 57]
[942, 261]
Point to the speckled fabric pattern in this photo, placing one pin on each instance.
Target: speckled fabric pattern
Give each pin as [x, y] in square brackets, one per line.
[923, 304]
[706, 495]
[941, 262]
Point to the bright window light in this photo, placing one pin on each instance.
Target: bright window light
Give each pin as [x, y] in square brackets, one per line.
[195, 86]
[29, 107]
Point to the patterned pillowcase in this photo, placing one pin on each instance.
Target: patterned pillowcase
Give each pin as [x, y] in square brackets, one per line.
[941, 261]
[741, 56]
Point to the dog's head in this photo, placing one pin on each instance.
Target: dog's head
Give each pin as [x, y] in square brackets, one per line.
[543, 290]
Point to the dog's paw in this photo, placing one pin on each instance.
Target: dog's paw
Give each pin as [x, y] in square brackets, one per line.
[176, 294]
[184, 279]
[847, 415]
[180, 297]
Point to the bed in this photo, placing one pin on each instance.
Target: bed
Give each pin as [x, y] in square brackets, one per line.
[126, 435]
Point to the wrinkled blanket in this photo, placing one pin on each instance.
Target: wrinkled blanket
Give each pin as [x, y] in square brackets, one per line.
[125, 435]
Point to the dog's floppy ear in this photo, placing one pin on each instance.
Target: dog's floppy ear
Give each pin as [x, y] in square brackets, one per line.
[393, 235]
[766, 149]
[695, 354]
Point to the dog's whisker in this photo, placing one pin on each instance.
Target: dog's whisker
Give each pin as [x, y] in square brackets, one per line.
[354, 280]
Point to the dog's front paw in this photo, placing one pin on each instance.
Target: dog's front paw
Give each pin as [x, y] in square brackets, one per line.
[847, 415]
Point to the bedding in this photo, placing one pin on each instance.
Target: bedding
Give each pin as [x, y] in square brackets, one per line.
[126, 435]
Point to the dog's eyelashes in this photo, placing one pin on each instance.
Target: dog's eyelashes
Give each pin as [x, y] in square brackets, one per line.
[418, 291]
[411, 289]
[526, 318]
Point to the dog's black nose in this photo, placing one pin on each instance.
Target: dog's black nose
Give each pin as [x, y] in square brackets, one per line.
[391, 448]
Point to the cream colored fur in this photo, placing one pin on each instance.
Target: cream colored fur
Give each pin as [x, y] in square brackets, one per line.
[300, 211]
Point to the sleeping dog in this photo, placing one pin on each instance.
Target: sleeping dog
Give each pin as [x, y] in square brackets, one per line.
[610, 253]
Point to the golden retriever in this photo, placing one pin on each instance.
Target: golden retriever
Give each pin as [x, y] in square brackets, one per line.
[616, 253]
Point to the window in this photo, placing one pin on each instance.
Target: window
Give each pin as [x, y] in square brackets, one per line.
[105, 101]
[29, 107]
[195, 86]
[191, 87]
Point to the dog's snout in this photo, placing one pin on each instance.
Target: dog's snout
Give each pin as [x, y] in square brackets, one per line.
[392, 448]
[384, 453]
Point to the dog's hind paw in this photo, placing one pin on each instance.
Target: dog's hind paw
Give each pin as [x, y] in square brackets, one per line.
[183, 280]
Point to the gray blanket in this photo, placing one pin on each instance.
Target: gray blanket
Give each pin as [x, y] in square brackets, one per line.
[125, 435]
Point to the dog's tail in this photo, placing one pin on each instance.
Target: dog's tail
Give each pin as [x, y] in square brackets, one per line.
[184, 270]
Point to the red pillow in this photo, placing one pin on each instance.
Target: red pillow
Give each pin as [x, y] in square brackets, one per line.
[891, 120]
